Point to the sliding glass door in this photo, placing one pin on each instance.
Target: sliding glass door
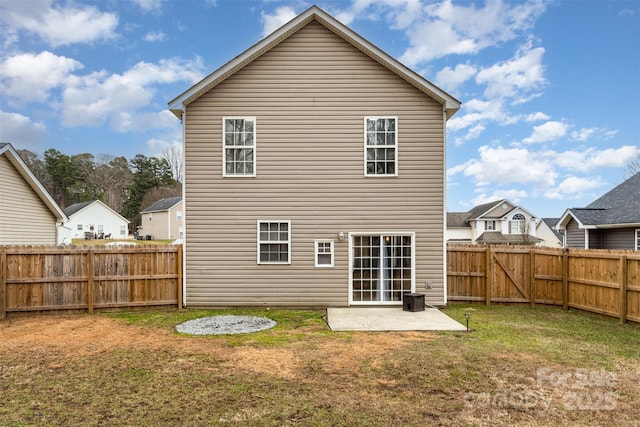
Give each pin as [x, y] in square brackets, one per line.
[382, 267]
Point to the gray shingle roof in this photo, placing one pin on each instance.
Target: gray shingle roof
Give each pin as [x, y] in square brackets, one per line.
[163, 204]
[457, 219]
[619, 206]
[70, 210]
[497, 238]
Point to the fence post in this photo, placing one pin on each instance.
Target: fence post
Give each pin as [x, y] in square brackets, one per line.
[565, 280]
[179, 280]
[4, 270]
[623, 288]
[532, 276]
[489, 276]
[90, 281]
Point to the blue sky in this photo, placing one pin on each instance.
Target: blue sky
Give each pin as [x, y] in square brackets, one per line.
[550, 90]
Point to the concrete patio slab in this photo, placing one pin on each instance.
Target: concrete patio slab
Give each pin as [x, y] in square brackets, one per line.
[389, 319]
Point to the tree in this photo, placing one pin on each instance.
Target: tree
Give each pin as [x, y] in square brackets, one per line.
[37, 166]
[175, 157]
[149, 172]
[634, 166]
[110, 180]
[162, 192]
[63, 175]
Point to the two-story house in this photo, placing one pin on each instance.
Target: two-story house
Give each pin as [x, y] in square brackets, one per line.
[163, 219]
[314, 174]
[499, 222]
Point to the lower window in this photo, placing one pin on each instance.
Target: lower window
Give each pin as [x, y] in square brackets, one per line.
[274, 242]
[324, 253]
[382, 267]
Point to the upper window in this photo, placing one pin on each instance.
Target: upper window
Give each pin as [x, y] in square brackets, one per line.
[490, 225]
[79, 227]
[381, 146]
[324, 253]
[518, 224]
[274, 241]
[638, 239]
[239, 146]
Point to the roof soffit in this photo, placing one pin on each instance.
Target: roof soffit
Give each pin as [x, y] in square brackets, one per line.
[177, 105]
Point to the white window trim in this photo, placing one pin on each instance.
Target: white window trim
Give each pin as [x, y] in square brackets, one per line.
[224, 151]
[258, 241]
[638, 239]
[364, 137]
[383, 233]
[316, 253]
[490, 225]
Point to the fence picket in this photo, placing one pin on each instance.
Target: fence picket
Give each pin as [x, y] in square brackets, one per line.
[604, 282]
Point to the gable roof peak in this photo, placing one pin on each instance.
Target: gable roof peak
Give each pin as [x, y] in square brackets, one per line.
[178, 105]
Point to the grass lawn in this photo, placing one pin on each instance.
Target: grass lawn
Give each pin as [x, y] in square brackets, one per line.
[517, 366]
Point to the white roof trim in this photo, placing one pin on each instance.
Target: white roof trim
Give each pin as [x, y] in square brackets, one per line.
[177, 106]
[33, 182]
[562, 222]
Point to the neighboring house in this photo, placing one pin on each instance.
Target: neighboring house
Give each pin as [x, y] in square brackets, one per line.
[499, 222]
[28, 213]
[163, 219]
[546, 231]
[610, 222]
[96, 220]
[314, 174]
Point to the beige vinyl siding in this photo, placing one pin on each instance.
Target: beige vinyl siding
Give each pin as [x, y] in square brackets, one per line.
[24, 218]
[309, 96]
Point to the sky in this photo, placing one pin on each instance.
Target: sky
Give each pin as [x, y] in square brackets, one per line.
[550, 90]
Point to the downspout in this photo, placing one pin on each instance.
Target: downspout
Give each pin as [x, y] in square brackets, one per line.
[444, 204]
[184, 206]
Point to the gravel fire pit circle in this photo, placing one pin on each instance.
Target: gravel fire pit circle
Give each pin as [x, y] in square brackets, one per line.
[227, 324]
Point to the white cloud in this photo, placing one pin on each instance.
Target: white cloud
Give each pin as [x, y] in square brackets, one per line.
[512, 195]
[58, 25]
[475, 112]
[536, 117]
[573, 187]
[30, 77]
[515, 78]
[498, 165]
[448, 29]
[19, 129]
[155, 36]
[591, 158]
[100, 98]
[149, 5]
[585, 134]
[549, 131]
[281, 16]
[451, 78]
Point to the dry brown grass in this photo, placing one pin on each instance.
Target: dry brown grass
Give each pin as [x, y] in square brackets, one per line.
[105, 370]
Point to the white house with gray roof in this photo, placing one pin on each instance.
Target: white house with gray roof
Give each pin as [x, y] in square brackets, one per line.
[499, 222]
[163, 219]
[610, 222]
[96, 220]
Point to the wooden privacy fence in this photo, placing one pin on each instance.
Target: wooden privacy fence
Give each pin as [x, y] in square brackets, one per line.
[43, 278]
[604, 282]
